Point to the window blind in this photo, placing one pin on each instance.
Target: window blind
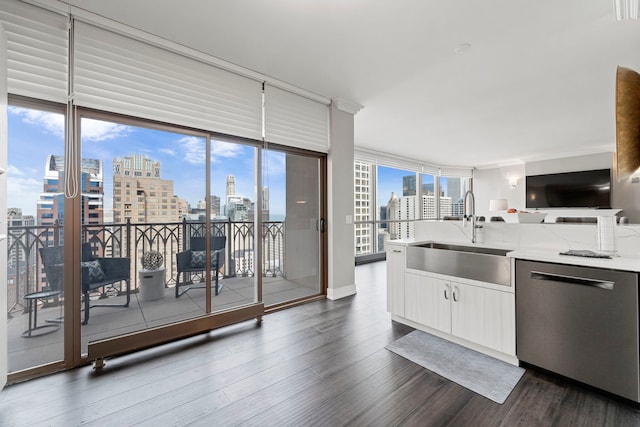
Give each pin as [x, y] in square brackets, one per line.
[390, 160]
[386, 159]
[295, 120]
[37, 51]
[456, 172]
[119, 74]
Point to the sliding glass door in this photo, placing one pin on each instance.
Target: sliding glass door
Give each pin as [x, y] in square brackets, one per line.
[140, 232]
[292, 226]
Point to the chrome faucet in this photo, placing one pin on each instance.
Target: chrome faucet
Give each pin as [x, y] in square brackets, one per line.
[471, 216]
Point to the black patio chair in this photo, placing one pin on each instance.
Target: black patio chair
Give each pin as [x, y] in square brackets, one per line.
[193, 260]
[52, 261]
[99, 272]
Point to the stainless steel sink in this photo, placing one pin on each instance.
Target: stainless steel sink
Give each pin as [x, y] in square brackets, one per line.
[470, 262]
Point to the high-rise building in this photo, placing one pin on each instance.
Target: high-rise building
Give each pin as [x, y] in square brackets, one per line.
[409, 185]
[362, 206]
[140, 194]
[394, 214]
[454, 189]
[237, 209]
[265, 206]
[231, 186]
[406, 211]
[183, 208]
[50, 207]
[428, 188]
[215, 205]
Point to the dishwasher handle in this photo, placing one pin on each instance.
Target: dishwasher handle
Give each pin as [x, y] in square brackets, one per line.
[602, 284]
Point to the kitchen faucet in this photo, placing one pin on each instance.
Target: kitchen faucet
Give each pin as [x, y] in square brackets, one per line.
[472, 216]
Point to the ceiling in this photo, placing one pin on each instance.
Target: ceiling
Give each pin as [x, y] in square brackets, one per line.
[537, 82]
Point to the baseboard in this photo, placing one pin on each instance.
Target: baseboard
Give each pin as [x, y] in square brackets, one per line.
[341, 292]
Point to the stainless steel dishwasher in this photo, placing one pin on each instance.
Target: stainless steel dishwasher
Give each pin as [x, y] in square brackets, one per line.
[580, 322]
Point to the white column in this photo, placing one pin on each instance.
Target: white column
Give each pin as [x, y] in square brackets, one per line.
[340, 188]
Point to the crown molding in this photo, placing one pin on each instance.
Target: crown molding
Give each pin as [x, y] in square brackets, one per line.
[346, 105]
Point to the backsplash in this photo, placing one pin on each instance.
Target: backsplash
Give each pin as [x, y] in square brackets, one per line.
[559, 237]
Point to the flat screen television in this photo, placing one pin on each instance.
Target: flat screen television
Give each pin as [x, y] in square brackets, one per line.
[585, 189]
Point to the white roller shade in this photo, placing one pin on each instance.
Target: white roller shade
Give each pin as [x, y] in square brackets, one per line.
[456, 172]
[119, 74]
[386, 159]
[37, 51]
[295, 120]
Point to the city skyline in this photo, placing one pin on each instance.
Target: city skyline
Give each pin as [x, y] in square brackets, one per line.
[34, 134]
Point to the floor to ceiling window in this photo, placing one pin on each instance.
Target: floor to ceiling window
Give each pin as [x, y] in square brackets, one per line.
[148, 195]
[388, 200]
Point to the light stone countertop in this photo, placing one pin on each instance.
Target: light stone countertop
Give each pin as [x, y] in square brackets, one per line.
[624, 263]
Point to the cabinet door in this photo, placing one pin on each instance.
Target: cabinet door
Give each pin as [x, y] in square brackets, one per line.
[395, 280]
[427, 301]
[484, 316]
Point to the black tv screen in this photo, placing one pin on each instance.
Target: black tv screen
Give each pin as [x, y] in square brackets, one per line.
[585, 189]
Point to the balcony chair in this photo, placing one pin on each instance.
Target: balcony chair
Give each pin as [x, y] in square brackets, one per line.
[193, 260]
[100, 272]
[52, 260]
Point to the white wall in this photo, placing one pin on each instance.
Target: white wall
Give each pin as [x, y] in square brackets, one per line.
[494, 183]
[340, 205]
[570, 164]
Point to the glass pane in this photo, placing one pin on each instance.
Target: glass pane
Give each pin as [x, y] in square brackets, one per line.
[233, 209]
[452, 191]
[428, 197]
[35, 233]
[292, 233]
[397, 202]
[137, 184]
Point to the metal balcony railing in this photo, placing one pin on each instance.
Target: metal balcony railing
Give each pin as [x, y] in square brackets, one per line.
[25, 273]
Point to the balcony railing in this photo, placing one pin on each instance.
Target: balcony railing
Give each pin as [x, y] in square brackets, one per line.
[131, 240]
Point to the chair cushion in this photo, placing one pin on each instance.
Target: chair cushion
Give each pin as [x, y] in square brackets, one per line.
[198, 259]
[94, 271]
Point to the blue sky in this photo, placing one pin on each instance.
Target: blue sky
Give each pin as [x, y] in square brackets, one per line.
[35, 134]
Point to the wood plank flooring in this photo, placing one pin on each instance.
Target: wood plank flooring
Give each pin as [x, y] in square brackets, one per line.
[320, 364]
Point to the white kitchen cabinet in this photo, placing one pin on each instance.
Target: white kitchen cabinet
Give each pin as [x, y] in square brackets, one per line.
[395, 279]
[428, 301]
[484, 316]
[471, 312]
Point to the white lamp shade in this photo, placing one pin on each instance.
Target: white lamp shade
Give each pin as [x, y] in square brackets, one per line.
[498, 204]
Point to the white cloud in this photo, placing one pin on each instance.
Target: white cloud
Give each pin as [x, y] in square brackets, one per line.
[224, 149]
[97, 130]
[52, 123]
[22, 190]
[167, 151]
[14, 171]
[273, 163]
[194, 149]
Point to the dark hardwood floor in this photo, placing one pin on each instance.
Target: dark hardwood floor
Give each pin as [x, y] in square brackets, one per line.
[322, 363]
